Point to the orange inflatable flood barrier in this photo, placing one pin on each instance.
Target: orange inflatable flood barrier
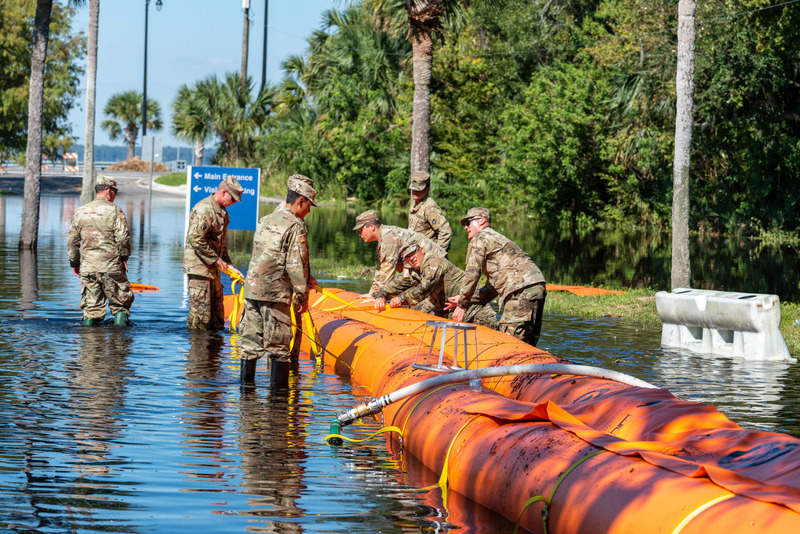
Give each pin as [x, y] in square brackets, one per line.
[564, 452]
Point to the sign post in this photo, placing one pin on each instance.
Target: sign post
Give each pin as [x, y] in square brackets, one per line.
[203, 181]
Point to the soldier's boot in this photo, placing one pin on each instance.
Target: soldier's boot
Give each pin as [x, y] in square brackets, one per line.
[121, 318]
[91, 322]
[279, 374]
[247, 372]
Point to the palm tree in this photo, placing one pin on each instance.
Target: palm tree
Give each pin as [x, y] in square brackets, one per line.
[29, 231]
[681, 272]
[192, 115]
[87, 189]
[125, 110]
[425, 18]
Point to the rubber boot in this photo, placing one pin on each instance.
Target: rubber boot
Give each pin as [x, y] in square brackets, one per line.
[247, 371]
[279, 374]
[91, 322]
[121, 319]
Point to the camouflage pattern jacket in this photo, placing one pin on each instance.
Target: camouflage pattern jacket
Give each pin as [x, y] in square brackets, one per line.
[206, 238]
[426, 218]
[99, 239]
[279, 270]
[437, 279]
[507, 267]
[394, 243]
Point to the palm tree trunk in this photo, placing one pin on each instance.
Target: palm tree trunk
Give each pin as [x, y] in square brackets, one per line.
[87, 190]
[29, 232]
[245, 45]
[422, 52]
[199, 147]
[681, 272]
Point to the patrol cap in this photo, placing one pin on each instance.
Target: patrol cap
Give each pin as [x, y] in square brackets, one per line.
[302, 185]
[366, 218]
[233, 187]
[420, 180]
[477, 212]
[107, 181]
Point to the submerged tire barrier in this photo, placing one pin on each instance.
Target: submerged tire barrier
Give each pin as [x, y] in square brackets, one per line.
[565, 453]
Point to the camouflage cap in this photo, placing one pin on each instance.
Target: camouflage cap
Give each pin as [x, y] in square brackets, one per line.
[420, 180]
[302, 185]
[477, 212]
[233, 187]
[107, 181]
[366, 218]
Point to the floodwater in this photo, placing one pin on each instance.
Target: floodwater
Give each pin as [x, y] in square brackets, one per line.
[145, 429]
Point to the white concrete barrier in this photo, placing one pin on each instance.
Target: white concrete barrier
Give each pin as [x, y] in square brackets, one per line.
[742, 325]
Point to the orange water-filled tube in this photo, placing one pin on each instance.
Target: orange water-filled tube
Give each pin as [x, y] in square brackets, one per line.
[565, 453]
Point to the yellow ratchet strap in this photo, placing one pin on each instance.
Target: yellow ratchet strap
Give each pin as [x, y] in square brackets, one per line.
[238, 303]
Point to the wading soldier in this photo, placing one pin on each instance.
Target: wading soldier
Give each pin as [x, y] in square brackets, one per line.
[98, 247]
[510, 273]
[424, 214]
[393, 244]
[277, 279]
[436, 280]
[206, 252]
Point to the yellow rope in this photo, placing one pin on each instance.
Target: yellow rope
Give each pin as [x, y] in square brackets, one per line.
[376, 433]
[549, 500]
[699, 510]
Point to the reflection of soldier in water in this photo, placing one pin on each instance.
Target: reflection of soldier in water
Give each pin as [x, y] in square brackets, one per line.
[98, 381]
[204, 420]
[273, 454]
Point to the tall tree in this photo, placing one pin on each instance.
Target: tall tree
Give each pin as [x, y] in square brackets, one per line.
[29, 231]
[192, 113]
[87, 189]
[681, 272]
[125, 110]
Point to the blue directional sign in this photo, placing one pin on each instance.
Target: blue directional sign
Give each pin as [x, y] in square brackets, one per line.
[203, 181]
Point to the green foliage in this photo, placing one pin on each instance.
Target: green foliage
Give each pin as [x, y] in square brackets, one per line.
[61, 83]
[172, 179]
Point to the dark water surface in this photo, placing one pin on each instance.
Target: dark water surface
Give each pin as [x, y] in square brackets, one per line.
[144, 429]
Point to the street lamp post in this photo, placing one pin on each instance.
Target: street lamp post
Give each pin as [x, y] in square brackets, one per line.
[159, 5]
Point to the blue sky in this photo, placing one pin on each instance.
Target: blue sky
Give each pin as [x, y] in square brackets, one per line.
[187, 41]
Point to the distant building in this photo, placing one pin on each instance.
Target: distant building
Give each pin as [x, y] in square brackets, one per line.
[177, 165]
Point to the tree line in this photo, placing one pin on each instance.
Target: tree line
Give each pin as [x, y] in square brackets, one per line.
[560, 111]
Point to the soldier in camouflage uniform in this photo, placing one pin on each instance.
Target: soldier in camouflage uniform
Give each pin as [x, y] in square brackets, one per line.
[206, 252]
[437, 280]
[277, 279]
[510, 273]
[98, 247]
[424, 214]
[393, 244]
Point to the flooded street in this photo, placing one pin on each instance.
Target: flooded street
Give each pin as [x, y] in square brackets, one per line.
[145, 429]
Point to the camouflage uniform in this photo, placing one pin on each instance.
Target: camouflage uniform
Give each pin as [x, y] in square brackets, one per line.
[278, 276]
[511, 274]
[437, 280]
[394, 244]
[206, 241]
[99, 243]
[426, 218]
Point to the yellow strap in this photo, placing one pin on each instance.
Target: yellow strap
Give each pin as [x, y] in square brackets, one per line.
[238, 302]
[351, 440]
[699, 510]
[313, 335]
[549, 500]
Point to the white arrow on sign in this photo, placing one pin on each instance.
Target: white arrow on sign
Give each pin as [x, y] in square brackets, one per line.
[197, 188]
[197, 175]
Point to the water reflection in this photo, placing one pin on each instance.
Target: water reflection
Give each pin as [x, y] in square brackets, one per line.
[28, 280]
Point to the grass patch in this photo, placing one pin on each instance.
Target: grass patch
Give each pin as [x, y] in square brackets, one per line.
[639, 306]
[333, 269]
[172, 179]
